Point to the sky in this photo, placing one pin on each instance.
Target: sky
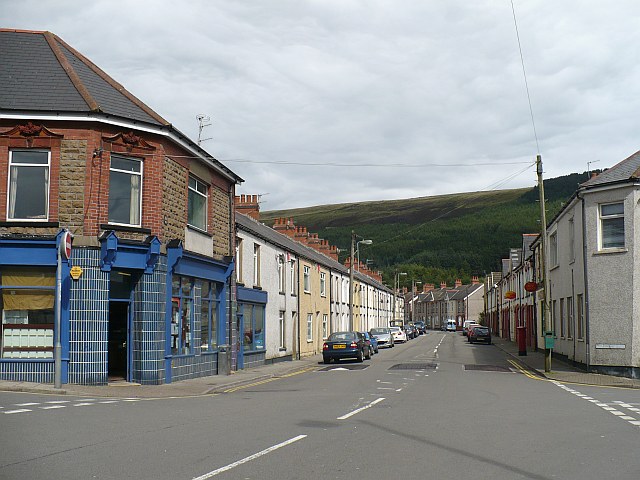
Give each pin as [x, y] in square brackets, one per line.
[317, 102]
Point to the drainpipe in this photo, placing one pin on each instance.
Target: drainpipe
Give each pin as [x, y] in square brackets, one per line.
[586, 281]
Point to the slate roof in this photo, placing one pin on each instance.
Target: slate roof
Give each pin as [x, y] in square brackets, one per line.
[36, 64]
[40, 73]
[627, 169]
[244, 222]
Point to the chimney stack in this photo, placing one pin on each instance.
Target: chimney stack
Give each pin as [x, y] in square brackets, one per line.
[248, 205]
[443, 285]
[474, 280]
[458, 283]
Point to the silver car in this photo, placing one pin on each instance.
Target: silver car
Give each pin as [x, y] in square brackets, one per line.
[383, 335]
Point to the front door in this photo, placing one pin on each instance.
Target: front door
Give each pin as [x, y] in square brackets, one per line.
[118, 340]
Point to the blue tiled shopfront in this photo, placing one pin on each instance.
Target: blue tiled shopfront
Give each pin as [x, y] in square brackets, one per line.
[251, 327]
[132, 314]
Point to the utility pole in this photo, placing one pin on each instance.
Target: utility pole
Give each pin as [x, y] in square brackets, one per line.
[353, 247]
[543, 261]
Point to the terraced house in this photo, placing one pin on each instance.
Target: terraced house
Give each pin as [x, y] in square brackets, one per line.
[146, 295]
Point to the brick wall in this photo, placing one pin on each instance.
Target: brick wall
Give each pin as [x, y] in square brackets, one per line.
[220, 224]
[174, 200]
[73, 154]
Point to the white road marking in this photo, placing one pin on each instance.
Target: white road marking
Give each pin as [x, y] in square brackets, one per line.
[109, 401]
[131, 400]
[635, 423]
[84, 404]
[627, 417]
[386, 388]
[609, 409]
[358, 410]
[399, 390]
[602, 404]
[59, 401]
[86, 400]
[22, 410]
[385, 383]
[26, 404]
[616, 412]
[249, 458]
[625, 405]
[635, 409]
[51, 407]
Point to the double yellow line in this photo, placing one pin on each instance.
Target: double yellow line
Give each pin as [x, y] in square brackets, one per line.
[267, 380]
[522, 370]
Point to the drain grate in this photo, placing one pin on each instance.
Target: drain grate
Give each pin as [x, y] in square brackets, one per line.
[414, 366]
[344, 366]
[488, 368]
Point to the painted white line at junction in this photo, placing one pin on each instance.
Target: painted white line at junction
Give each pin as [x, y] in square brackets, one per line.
[26, 404]
[249, 458]
[22, 410]
[358, 410]
[59, 401]
[51, 407]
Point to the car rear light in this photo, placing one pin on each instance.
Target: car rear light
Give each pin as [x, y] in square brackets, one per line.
[353, 345]
[325, 347]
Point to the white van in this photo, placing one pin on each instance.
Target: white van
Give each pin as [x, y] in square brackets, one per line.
[451, 325]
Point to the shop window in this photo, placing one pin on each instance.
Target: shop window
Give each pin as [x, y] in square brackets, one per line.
[125, 191]
[197, 215]
[27, 299]
[181, 315]
[209, 316]
[253, 333]
[28, 185]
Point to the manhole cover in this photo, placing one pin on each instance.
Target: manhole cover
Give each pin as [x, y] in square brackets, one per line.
[488, 368]
[414, 366]
[345, 366]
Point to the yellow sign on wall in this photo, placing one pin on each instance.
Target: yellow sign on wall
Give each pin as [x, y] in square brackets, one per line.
[75, 272]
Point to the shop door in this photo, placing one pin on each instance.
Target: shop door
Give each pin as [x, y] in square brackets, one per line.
[118, 340]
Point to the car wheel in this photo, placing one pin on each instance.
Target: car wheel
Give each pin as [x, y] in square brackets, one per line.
[360, 356]
[327, 360]
[368, 355]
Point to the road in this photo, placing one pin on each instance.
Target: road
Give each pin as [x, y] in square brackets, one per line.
[434, 408]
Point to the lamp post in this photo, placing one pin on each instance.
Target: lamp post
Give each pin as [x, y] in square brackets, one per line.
[396, 287]
[364, 242]
[413, 288]
[354, 244]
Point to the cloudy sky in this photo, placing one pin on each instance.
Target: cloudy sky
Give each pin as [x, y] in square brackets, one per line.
[329, 101]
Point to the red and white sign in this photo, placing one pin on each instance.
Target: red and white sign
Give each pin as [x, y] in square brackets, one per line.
[65, 245]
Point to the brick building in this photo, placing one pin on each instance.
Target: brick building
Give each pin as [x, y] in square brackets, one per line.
[150, 298]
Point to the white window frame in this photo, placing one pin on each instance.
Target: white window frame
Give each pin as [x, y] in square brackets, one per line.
[256, 265]
[282, 276]
[570, 317]
[572, 240]
[309, 327]
[239, 260]
[294, 284]
[323, 284]
[281, 330]
[580, 316]
[47, 185]
[139, 174]
[602, 219]
[306, 279]
[325, 326]
[199, 184]
[553, 249]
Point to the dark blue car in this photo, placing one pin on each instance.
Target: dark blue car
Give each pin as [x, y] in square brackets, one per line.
[341, 345]
[371, 341]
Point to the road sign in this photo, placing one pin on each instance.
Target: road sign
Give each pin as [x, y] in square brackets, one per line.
[65, 244]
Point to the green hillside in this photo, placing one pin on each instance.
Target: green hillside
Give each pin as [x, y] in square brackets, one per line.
[438, 238]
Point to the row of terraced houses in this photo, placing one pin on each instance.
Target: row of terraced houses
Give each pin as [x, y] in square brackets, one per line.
[593, 278]
[170, 275]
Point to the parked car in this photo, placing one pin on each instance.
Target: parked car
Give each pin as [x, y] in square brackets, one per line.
[371, 342]
[383, 336]
[398, 334]
[479, 334]
[410, 330]
[421, 327]
[465, 326]
[341, 345]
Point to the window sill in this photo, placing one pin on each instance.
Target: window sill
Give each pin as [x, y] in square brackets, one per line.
[124, 228]
[30, 223]
[257, 287]
[607, 251]
[281, 349]
[254, 352]
[308, 292]
[199, 230]
[555, 267]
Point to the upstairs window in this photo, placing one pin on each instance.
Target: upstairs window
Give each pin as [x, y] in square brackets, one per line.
[553, 250]
[28, 185]
[256, 265]
[612, 225]
[307, 279]
[323, 284]
[197, 215]
[125, 191]
[281, 274]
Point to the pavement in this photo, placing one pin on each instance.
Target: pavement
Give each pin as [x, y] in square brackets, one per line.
[218, 384]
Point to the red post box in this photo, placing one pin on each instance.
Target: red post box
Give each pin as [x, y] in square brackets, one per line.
[521, 337]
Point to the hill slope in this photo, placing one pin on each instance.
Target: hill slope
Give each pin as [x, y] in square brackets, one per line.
[436, 238]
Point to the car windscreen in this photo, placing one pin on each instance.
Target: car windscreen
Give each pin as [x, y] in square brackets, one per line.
[379, 331]
[481, 331]
[341, 337]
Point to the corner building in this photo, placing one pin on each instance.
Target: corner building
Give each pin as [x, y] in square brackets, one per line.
[151, 298]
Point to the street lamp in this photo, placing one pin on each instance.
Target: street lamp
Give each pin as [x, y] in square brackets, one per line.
[354, 244]
[396, 287]
[364, 242]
